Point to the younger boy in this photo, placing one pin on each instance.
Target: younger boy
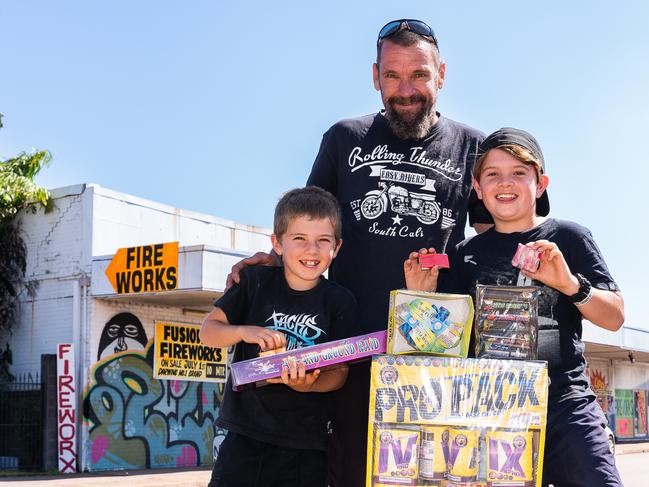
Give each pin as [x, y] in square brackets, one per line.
[277, 434]
[510, 179]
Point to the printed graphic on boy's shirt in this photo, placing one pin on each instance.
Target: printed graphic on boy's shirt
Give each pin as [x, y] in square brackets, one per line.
[301, 329]
[401, 192]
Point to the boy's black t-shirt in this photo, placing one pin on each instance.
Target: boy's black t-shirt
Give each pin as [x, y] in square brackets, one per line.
[276, 413]
[486, 259]
[396, 195]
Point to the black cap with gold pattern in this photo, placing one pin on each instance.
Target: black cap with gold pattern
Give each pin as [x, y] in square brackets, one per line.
[508, 136]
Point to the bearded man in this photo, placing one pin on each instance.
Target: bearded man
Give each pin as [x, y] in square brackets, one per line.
[402, 177]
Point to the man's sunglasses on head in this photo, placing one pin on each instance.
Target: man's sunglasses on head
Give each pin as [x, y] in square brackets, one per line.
[412, 25]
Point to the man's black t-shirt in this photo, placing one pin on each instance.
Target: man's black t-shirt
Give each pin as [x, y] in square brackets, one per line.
[486, 259]
[276, 413]
[396, 196]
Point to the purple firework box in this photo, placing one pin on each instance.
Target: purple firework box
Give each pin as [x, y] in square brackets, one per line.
[314, 357]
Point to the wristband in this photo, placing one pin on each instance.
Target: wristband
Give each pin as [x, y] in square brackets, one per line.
[585, 292]
[588, 297]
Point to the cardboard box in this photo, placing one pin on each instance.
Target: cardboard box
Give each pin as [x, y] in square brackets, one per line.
[435, 323]
[440, 421]
[506, 322]
[314, 357]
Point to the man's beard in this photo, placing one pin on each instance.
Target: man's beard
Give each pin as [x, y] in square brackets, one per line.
[413, 126]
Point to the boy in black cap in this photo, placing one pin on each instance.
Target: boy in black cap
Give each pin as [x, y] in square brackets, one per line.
[510, 180]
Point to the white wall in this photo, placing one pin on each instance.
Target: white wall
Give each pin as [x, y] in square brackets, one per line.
[88, 221]
[631, 376]
[58, 253]
[122, 220]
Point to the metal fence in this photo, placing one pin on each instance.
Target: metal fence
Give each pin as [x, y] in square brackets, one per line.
[21, 442]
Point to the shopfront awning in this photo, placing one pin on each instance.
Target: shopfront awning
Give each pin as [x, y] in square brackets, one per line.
[617, 345]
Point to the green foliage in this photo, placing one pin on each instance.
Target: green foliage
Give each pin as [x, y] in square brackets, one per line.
[17, 186]
[17, 191]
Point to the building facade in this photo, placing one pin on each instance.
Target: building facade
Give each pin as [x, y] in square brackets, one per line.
[618, 368]
[127, 419]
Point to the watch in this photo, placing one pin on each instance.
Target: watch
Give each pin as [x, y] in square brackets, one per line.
[585, 292]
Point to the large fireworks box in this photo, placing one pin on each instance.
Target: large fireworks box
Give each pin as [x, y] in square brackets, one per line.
[450, 422]
[314, 357]
[435, 323]
[506, 322]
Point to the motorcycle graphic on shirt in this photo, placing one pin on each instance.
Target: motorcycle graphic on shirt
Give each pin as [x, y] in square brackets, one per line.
[402, 202]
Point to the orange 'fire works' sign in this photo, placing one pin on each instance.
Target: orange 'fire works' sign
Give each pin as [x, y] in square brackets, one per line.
[148, 268]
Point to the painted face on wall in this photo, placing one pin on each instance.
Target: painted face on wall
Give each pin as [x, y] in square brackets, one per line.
[122, 332]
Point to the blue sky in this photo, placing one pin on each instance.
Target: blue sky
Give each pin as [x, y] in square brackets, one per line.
[219, 107]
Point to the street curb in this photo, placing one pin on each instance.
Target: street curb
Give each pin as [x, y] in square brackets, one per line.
[628, 448]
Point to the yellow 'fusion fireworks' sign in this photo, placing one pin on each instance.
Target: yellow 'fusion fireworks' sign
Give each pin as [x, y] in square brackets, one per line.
[179, 354]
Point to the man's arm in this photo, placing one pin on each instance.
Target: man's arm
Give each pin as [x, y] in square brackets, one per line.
[324, 170]
[331, 379]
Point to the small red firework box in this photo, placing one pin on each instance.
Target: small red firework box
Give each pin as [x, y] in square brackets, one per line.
[435, 323]
[452, 422]
[426, 261]
[314, 357]
[526, 258]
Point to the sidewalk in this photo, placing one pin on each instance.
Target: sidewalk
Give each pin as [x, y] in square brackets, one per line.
[624, 448]
[191, 477]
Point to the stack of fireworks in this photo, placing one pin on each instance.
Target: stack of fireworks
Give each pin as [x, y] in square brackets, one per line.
[451, 422]
[433, 323]
[454, 456]
[506, 322]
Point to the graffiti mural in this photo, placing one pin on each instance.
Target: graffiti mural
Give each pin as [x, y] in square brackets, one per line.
[123, 331]
[600, 383]
[624, 413]
[135, 421]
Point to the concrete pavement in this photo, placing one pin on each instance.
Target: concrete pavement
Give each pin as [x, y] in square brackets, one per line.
[625, 448]
[190, 477]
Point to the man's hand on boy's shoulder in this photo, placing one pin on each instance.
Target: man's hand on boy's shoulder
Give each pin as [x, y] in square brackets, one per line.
[260, 258]
[553, 269]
